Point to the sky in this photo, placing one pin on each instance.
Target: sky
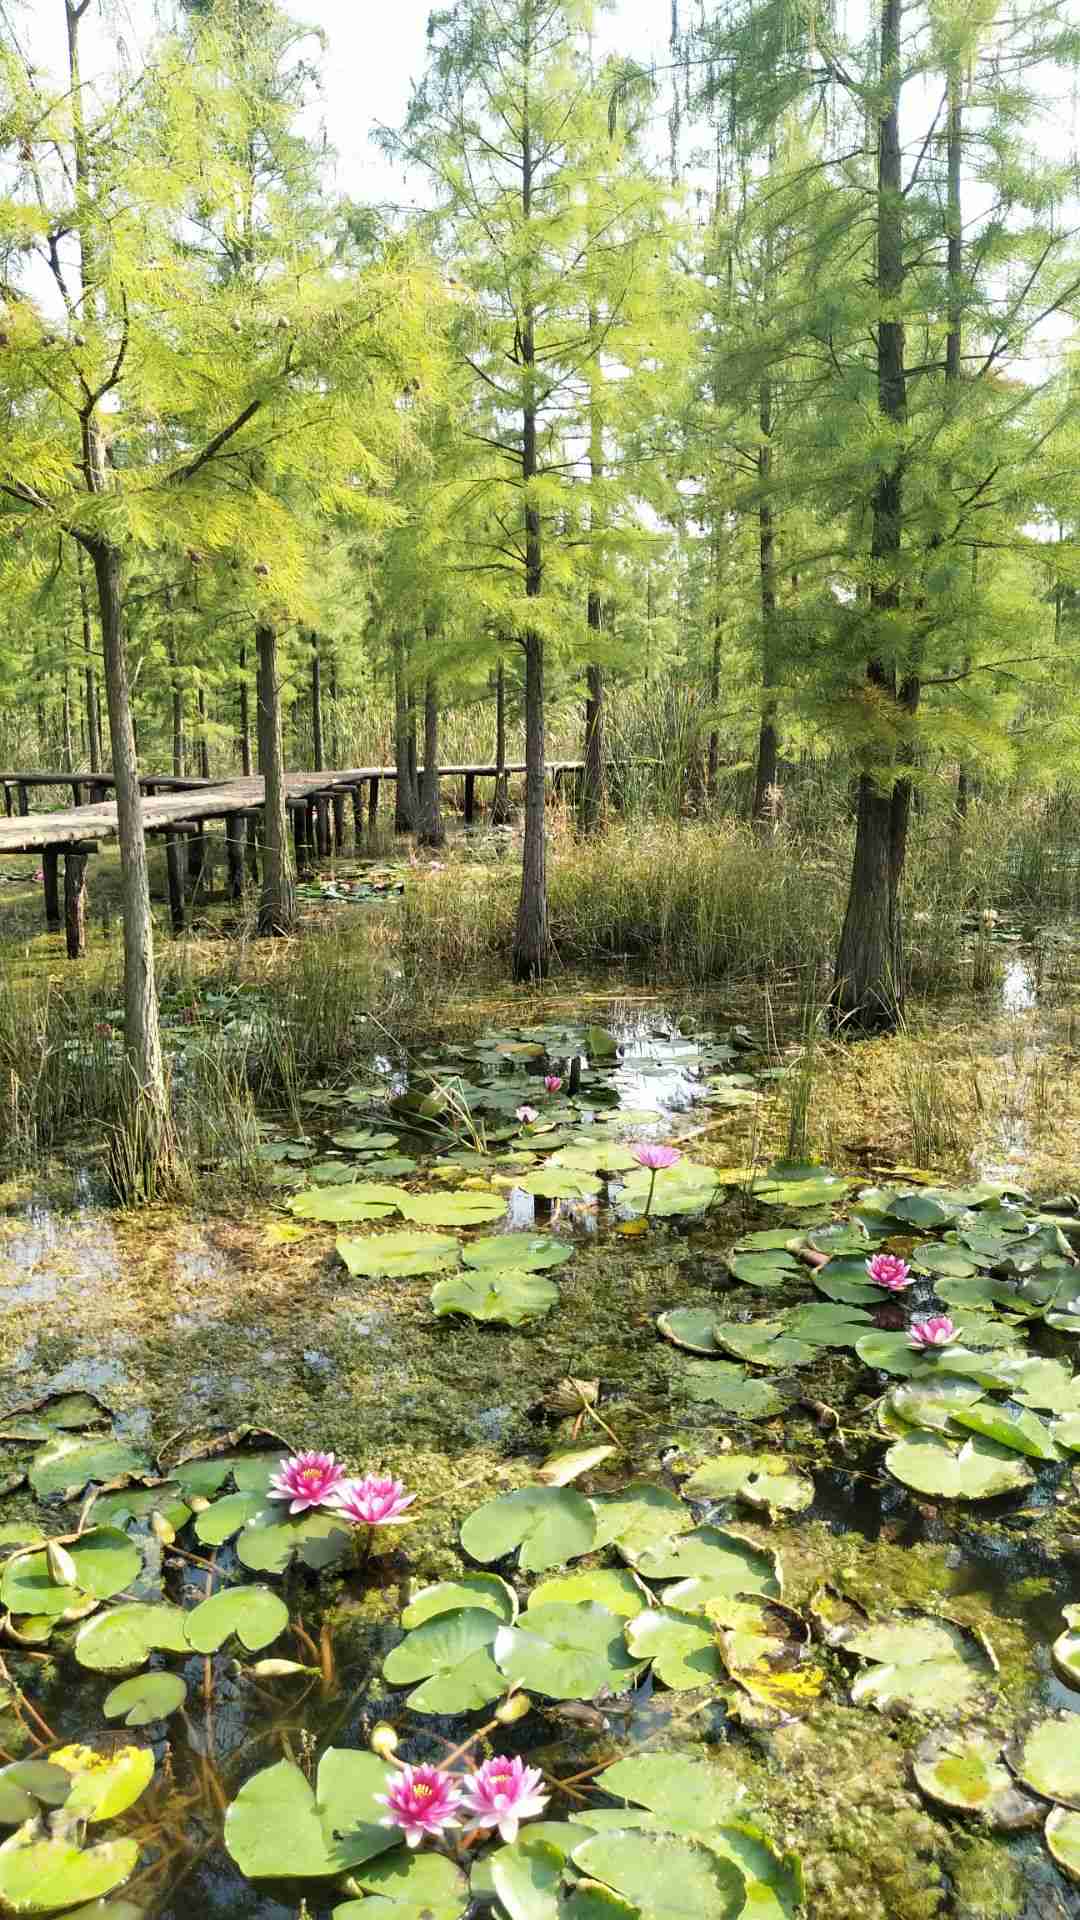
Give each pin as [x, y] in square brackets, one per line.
[374, 49]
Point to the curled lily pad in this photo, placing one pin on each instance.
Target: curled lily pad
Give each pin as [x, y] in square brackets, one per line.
[724, 1559]
[398, 1255]
[509, 1295]
[763, 1343]
[978, 1470]
[1047, 1759]
[254, 1614]
[450, 1654]
[691, 1328]
[104, 1785]
[961, 1768]
[470, 1590]
[550, 1525]
[666, 1877]
[1063, 1840]
[566, 1652]
[147, 1697]
[40, 1876]
[929, 1404]
[280, 1828]
[26, 1785]
[681, 1647]
[70, 1461]
[1066, 1432]
[1020, 1432]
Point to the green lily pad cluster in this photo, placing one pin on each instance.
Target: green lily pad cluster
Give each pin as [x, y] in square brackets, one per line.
[74, 1789]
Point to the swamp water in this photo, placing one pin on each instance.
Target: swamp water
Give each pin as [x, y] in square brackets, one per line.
[785, 1603]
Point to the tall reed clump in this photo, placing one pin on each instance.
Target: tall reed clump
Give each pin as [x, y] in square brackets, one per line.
[694, 902]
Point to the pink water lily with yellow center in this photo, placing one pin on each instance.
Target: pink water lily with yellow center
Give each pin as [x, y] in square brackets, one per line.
[937, 1331]
[552, 1083]
[374, 1501]
[888, 1271]
[420, 1800]
[307, 1480]
[502, 1793]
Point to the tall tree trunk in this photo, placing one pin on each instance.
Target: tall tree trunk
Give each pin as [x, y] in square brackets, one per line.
[500, 805]
[712, 770]
[69, 744]
[93, 711]
[142, 1039]
[532, 938]
[277, 902]
[412, 758]
[593, 778]
[405, 810]
[868, 986]
[204, 744]
[244, 738]
[431, 832]
[318, 760]
[768, 737]
[177, 695]
[333, 731]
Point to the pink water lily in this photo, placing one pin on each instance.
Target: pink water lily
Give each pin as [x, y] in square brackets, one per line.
[502, 1793]
[552, 1082]
[307, 1480]
[374, 1501]
[420, 1800]
[886, 1270]
[655, 1156]
[938, 1331]
[527, 1115]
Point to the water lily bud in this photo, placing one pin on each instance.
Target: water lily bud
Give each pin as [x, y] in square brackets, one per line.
[272, 1669]
[514, 1707]
[162, 1529]
[198, 1502]
[383, 1740]
[62, 1569]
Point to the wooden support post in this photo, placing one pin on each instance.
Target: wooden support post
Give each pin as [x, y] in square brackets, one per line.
[196, 859]
[75, 857]
[373, 804]
[9, 805]
[358, 816]
[24, 797]
[337, 802]
[253, 846]
[470, 798]
[322, 825]
[50, 870]
[149, 788]
[299, 827]
[174, 867]
[234, 853]
[99, 792]
[76, 793]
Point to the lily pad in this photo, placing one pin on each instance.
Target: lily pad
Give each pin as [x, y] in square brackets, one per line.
[559, 1183]
[550, 1525]
[688, 1795]
[69, 1462]
[269, 1543]
[408, 1886]
[398, 1255]
[637, 1516]
[979, 1470]
[254, 1614]
[26, 1783]
[105, 1560]
[104, 1785]
[681, 1646]
[450, 1654]
[721, 1383]
[763, 1343]
[219, 1522]
[278, 1828]
[961, 1768]
[724, 1559]
[40, 1876]
[1048, 1759]
[469, 1590]
[337, 1205]
[126, 1636]
[451, 1209]
[690, 1328]
[761, 1479]
[509, 1295]
[147, 1697]
[665, 1877]
[1063, 1840]
[610, 1587]
[566, 1652]
[532, 1252]
[1020, 1432]
[685, 1188]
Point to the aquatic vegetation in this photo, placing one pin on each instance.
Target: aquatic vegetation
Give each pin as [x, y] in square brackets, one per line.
[422, 1801]
[307, 1480]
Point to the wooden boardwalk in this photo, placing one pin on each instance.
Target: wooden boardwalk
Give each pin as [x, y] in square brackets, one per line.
[178, 811]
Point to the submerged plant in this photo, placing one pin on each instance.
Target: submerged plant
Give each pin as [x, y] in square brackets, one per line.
[502, 1793]
[889, 1271]
[420, 1800]
[307, 1480]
